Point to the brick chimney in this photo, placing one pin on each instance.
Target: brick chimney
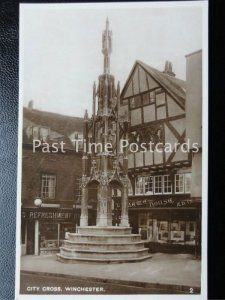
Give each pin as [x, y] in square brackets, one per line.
[169, 69]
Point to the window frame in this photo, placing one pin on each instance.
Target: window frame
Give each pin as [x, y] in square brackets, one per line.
[158, 193]
[148, 182]
[142, 188]
[185, 183]
[43, 196]
[175, 183]
[171, 186]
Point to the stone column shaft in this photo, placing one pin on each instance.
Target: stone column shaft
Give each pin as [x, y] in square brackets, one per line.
[102, 205]
[36, 237]
[109, 207]
[124, 207]
[84, 207]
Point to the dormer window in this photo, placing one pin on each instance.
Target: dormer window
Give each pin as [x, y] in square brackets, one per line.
[44, 133]
[40, 133]
[35, 133]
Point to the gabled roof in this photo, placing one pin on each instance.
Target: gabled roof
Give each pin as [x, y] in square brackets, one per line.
[61, 126]
[57, 122]
[174, 86]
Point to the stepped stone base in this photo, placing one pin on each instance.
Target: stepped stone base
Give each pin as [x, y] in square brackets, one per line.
[103, 244]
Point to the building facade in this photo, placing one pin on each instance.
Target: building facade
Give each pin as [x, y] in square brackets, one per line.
[164, 168]
[50, 180]
[163, 204]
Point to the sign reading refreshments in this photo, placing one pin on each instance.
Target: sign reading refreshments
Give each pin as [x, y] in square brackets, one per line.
[48, 214]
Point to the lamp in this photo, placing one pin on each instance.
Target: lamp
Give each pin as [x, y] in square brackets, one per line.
[38, 202]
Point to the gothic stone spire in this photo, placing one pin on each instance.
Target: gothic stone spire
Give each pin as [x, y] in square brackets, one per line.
[107, 47]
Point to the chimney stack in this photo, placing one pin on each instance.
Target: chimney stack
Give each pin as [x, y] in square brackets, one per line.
[169, 69]
[30, 104]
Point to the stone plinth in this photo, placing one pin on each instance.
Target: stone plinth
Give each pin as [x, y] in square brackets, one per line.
[103, 244]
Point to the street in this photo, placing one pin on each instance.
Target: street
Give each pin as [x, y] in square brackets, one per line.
[40, 284]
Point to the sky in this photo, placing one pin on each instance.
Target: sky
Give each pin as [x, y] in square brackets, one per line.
[60, 48]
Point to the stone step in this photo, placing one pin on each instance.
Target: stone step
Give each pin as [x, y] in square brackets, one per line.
[123, 239]
[110, 230]
[66, 259]
[116, 254]
[103, 246]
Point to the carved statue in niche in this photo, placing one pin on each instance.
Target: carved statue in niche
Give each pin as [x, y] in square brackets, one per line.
[112, 136]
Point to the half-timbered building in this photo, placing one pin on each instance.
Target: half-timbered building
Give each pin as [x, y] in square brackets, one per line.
[160, 172]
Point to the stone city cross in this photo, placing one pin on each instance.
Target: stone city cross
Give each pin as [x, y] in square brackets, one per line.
[109, 170]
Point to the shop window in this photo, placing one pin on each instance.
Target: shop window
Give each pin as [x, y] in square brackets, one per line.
[191, 226]
[48, 235]
[174, 226]
[177, 236]
[149, 185]
[143, 220]
[158, 184]
[167, 184]
[48, 185]
[190, 232]
[163, 225]
[182, 226]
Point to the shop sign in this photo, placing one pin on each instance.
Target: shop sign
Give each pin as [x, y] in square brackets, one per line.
[47, 215]
[149, 203]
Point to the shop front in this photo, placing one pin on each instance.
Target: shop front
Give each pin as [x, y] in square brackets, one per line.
[44, 229]
[173, 220]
